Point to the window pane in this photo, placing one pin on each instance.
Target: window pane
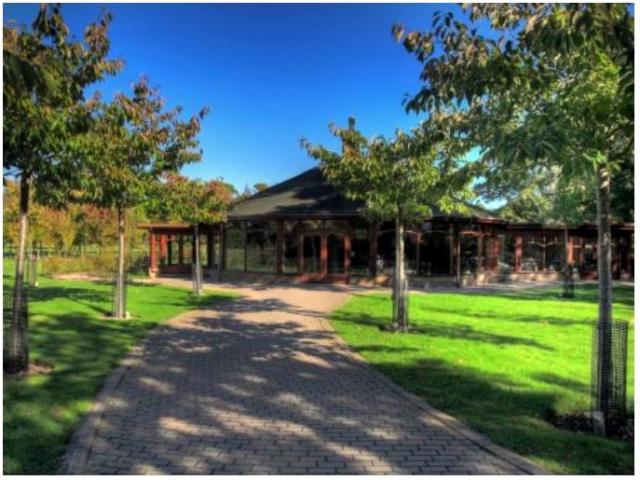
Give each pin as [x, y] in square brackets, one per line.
[234, 236]
[261, 246]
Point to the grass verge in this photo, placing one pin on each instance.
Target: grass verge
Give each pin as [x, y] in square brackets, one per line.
[502, 363]
[67, 331]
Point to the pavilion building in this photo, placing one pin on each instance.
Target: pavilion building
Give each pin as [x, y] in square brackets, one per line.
[303, 229]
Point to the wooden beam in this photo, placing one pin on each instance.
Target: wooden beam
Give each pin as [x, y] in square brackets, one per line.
[373, 248]
[347, 253]
[279, 246]
[324, 257]
[518, 254]
[210, 249]
[300, 253]
[153, 255]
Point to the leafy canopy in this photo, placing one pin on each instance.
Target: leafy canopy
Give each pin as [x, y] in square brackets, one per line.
[404, 177]
[132, 142]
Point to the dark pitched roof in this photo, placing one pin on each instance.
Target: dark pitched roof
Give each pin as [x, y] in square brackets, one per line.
[305, 195]
[310, 195]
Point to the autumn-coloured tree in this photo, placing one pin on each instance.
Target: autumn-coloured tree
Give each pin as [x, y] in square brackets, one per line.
[132, 142]
[192, 201]
[45, 74]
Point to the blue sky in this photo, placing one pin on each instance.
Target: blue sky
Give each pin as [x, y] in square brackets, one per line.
[270, 73]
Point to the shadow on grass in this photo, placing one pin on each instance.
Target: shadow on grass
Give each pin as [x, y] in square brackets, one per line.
[453, 332]
[67, 330]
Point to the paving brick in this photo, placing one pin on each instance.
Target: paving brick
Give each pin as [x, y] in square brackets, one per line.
[260, 385]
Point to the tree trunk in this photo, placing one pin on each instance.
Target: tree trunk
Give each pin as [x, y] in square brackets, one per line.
[121, 292]
[604, 357]
[400, 284]
[18, 354]
[567, 283]
[197, 270]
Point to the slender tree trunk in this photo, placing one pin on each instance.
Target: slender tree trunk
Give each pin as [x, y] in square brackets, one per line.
[567, 290]
[400, 284]
[121, 292]
[18, 355]
[604, 357]
[197, 271]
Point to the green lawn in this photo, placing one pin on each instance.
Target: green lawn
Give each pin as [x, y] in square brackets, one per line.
[501, 363]
[67, 330]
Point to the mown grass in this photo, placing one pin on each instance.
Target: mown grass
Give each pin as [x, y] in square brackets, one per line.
[502, 363]
[68, 332]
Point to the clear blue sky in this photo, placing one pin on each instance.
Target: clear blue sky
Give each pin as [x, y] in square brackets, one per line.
[270, 73]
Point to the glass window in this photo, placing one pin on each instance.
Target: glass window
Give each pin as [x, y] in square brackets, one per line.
[554, 253]
[435, 254]
[290, 260]
[469, 254]
[532, 253]
[261, 246]
[311, 252]
[360, 251]
[335, 253]
[590, 255]
[234, 237]
[507, 255]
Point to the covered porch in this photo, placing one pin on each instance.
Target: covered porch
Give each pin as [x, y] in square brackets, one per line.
[172, 248]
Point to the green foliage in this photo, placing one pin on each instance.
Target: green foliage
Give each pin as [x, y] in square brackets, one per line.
[180, 199]
[502, 363]
[45, 74]
[68, 332]
[554, 88]
[132, 142]
[405, 177]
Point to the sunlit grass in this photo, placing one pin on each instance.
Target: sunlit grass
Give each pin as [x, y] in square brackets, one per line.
[68, 331]
[501, 363]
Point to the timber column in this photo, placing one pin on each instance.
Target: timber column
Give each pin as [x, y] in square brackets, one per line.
[373, 248]
[517, 267]
[279, 246]
[153, 255]
[347, 254]
[324, 256]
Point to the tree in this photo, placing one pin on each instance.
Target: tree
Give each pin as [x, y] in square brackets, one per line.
[193, 202]
[133, 140]
[400, 179]
[548, 79]
[260, 187]
[543, 195]
[45, 74]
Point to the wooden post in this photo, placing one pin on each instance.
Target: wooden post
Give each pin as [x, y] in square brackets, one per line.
[518, 254]
[279, 246]
[222, 256]
[458, 259]
[246, 240]
[418, 241]
[581, 256]
[193, 247]
[153, 254]
[452, 250]
[300, 253]
[210, 250]
[181, 249]
[373, 248]
[324, 257]
[347, 253]
[163, 246]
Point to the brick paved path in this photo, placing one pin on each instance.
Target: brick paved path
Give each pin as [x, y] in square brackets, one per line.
[261, 385]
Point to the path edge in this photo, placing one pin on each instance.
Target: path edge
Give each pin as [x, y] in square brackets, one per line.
[524, 464]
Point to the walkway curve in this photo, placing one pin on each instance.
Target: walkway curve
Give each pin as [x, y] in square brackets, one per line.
[262, 385]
